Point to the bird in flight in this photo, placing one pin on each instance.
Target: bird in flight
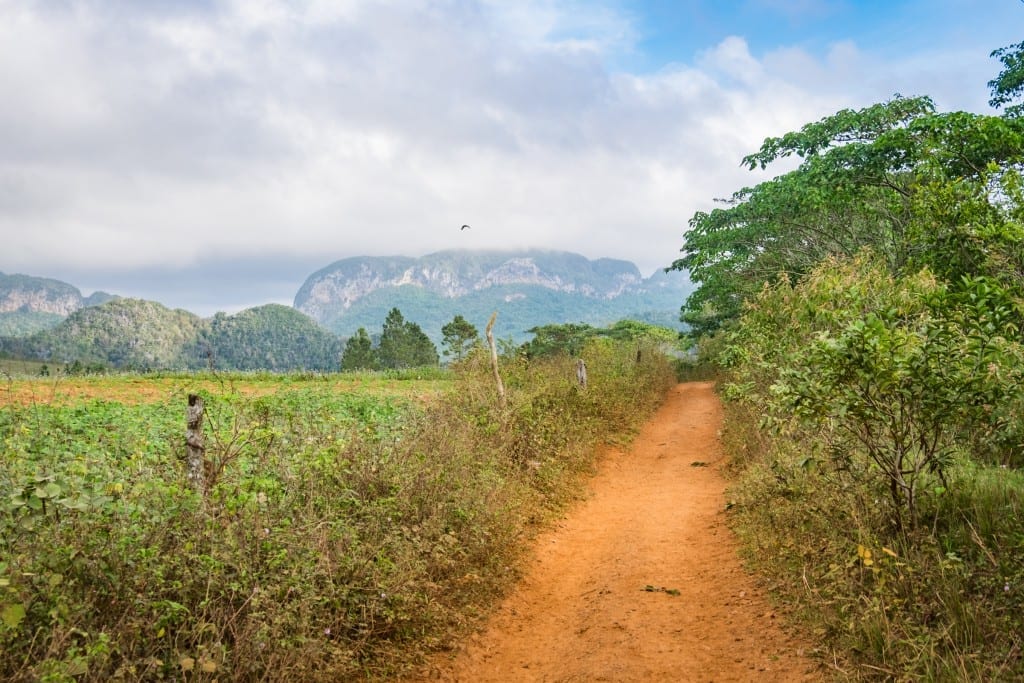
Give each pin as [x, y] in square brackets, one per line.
[463, 227]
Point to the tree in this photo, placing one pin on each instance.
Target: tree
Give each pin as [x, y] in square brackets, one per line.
[566, 338]
[392, 340]
[359, 353]
[404, 344]
[421, 351]
[459, 337]
[1009, 84]
[896, 177]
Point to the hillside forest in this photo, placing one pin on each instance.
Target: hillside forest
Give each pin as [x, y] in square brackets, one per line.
[865, 309]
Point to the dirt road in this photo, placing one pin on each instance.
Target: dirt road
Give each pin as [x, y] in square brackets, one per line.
[641, 581]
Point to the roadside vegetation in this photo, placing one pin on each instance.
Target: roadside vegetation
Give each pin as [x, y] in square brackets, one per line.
[866, 312]
[344, 533]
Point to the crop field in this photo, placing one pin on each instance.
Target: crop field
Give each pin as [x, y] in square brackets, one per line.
[348, 523]
[134, 389]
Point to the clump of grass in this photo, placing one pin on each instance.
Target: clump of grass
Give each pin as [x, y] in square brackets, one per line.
[345, 534]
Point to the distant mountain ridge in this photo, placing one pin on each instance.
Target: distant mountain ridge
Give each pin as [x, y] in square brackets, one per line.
[50, 320]
[29, 304]
[527, 287]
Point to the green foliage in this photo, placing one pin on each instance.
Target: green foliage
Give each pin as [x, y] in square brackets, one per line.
[866, 310]
[861, 405]
[567, 339]
[272, 337]
[459, 337]
[27, 323]
[132, 334]
[896, 177]
[123, 333]
[404, 345]
[570, 338]
[1009, 84]
[343, 532]
[359, 353]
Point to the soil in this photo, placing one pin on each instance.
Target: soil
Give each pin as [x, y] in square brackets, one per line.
[641, 581]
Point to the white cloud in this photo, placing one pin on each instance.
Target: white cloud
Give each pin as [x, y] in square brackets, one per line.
[732, 59]
[137, 138]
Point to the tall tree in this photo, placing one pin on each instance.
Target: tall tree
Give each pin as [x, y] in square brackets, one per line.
[359, 353]
[404, 344]
[421, 351]
[896, 177]
[459, 337]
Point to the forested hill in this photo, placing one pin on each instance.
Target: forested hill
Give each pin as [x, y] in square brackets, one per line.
[29, 304]
[143, 335]
[528, 288]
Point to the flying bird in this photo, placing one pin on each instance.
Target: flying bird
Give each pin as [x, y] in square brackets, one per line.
[463, 227]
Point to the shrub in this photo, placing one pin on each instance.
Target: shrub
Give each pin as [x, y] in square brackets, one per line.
[861, 405]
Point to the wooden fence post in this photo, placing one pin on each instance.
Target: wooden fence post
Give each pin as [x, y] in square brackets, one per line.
[194, 442]
[581, 373]
[494, 361]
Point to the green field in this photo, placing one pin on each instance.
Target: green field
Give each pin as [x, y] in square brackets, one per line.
[351, 523]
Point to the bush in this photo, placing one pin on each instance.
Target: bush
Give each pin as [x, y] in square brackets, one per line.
[871, 419]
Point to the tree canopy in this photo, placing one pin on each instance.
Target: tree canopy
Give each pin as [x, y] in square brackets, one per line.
[1009, 84]
[459, 337]
[403, 344]
[916, 186]
[570, 338]
[359, 353]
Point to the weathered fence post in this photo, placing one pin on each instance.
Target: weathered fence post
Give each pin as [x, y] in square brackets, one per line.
[194, 442]
[581, 373]
[494, 360]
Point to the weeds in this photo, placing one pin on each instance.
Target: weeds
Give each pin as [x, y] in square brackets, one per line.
[874, 458]
[345, 534]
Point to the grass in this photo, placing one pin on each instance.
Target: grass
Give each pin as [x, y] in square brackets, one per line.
[940, 604]
[355, 524]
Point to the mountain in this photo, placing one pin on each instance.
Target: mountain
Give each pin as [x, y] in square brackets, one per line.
[121, 333]
[271, 337]
[527, 288]
[50, 320]
[29, 304]
[144, 335]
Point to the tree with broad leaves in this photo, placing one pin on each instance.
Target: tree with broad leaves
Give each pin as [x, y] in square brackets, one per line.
[916, 186]
[1009, 84]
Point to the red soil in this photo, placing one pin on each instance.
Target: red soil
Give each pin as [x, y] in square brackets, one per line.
[641, 581]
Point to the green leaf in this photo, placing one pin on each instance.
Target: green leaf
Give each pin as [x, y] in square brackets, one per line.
[12, 615]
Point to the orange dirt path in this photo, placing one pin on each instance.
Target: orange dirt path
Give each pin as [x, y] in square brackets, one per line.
[652, 519]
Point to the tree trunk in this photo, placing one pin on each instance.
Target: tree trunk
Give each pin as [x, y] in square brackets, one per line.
[194, 443]
[494, 360]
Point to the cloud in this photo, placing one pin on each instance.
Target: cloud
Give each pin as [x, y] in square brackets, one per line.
[169, 137]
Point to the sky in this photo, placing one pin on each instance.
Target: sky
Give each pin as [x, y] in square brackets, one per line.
[212, 154]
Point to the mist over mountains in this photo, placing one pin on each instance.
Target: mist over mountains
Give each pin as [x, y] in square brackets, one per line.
[526, 288]
[49, 320]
